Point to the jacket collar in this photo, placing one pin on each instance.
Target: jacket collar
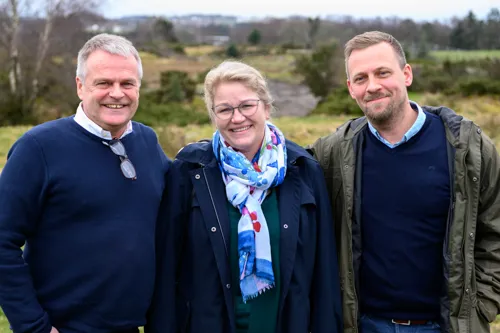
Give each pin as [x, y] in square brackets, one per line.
[450, 118]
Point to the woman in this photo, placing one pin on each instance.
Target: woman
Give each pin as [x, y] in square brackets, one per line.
[251, 224]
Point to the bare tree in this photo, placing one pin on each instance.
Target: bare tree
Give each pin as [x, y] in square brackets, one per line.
[312, 31]
[24, 70]
[9, 38]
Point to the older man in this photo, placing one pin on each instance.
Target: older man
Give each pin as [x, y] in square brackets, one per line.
[82, 194]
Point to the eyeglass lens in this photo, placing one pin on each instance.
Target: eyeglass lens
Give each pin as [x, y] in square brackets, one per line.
[126, 165]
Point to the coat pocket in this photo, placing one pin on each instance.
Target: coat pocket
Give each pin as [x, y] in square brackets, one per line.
[479, 323]
[486, 310]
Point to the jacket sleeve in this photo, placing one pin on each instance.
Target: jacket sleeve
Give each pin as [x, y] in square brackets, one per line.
[172, 217]
[23, 184]
[326, 308]
[322, 150]
[487, 246]
[317, 150]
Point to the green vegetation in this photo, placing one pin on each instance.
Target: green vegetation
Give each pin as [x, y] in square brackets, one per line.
[338, 102]
[4, 324]
[465, 55]
[254, 37]
[483, 110]
[8, 135]
[232, 51]
[478, 77]
[321, 70]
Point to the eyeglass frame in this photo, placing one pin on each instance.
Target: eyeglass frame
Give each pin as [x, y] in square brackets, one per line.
[237, 107]
[126, 165]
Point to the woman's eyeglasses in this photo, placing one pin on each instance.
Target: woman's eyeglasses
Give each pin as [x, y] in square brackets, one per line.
[246, 108]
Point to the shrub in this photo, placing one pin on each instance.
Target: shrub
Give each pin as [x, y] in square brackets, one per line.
[232, 51]
[339, 102]
[179, 49]
[180, 114]
[321, 71]
[476, 87]
[254, 37]
[175, 86]
[200, 77]
[491, 66]
[285, 47]
[428, 77]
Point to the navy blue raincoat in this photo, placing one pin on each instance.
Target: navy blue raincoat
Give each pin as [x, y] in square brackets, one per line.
[193, 292]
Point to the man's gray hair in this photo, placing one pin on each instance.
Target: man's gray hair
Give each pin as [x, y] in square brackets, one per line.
[112, 44]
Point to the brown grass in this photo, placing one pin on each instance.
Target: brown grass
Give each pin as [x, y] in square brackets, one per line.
[484, 111]
[196, 62]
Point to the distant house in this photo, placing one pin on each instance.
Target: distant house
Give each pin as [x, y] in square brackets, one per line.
[111, 27]
[215, 40]
[203, 20]
[120, 26]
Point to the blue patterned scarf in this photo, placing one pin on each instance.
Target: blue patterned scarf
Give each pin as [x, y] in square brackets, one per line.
[247, 183]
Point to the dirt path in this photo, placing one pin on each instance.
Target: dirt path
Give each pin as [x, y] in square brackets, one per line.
[291, 99]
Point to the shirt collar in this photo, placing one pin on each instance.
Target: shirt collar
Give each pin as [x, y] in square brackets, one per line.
[414, 129]
[84, 121]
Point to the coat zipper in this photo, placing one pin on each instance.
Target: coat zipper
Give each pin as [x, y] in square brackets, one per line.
[215, 209]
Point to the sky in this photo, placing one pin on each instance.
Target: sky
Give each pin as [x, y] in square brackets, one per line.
[418, 10]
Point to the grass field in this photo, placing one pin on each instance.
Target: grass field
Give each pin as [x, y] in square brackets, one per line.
[274, 66]
[277, 67]
[466, 55]
[484, 111]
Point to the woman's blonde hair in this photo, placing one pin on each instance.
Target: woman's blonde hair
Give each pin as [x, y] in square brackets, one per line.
[235, 71]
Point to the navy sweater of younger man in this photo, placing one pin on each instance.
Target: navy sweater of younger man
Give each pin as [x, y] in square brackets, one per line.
[405, 201]
[89, 258]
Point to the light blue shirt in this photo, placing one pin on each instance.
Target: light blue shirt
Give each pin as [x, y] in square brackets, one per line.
[416, 127]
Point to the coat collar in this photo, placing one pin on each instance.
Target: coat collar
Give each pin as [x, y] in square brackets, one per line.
[452, 121]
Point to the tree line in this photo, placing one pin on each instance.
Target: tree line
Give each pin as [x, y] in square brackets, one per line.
[39, 40]
[461, 33]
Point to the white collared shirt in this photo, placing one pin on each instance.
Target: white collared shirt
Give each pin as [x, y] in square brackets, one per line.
[84, 121]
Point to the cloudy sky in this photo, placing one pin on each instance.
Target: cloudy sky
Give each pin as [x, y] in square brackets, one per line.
[417, 9]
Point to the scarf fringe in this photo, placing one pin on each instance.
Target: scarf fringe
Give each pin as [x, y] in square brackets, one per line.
[257, 293]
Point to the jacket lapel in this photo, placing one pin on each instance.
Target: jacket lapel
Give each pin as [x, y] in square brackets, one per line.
[216, 205]
[289, 207]
[208, 185]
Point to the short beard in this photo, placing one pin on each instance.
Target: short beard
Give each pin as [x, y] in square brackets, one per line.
[386, 117]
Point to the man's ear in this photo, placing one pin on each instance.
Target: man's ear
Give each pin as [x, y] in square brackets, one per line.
[79, 87]
[351, 92]
[408, 73]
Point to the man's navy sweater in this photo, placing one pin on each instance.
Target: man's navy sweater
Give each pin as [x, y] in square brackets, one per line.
[405, 202]
[89, 258]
